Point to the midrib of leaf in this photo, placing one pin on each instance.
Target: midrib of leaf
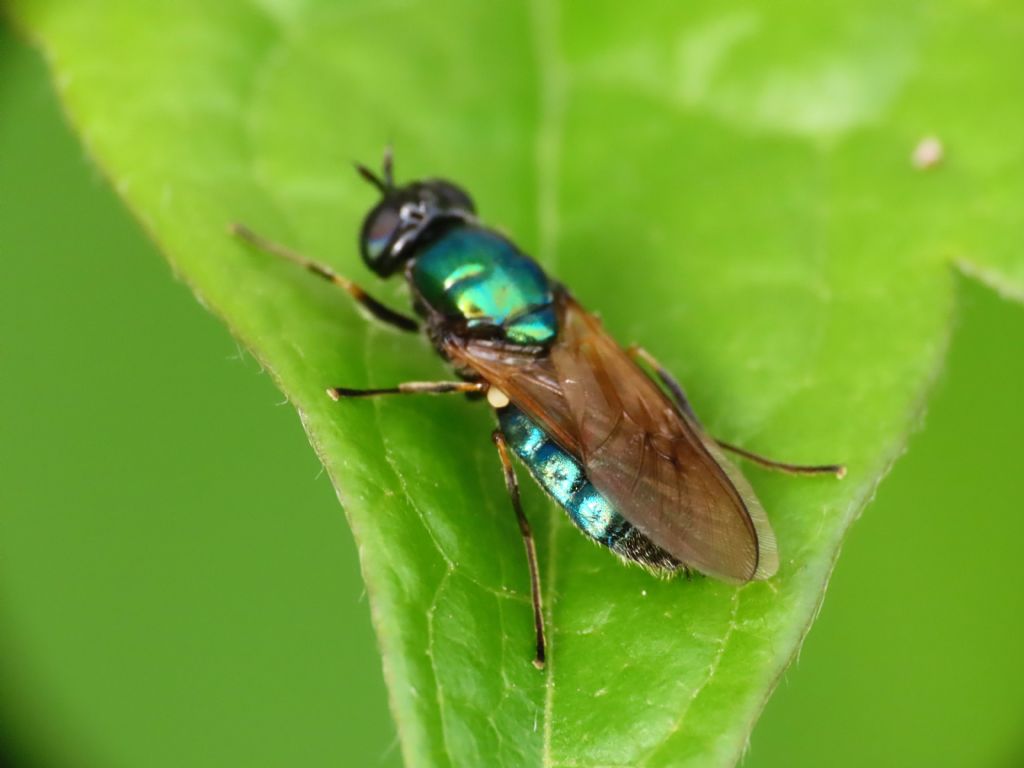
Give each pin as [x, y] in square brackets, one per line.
[544, 15]
[554, 83]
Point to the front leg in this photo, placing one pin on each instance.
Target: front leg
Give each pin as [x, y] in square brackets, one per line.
[379, 311]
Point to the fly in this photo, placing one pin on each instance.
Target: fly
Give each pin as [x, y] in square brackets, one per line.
[620, 450]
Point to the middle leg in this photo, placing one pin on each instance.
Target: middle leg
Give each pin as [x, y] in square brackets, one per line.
[378, 310]
[411, 388]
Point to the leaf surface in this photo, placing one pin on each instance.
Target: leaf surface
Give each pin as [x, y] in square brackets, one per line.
[730, 185]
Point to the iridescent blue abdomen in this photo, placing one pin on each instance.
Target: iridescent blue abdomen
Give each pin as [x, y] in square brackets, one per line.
[476, 274]
[562, 477]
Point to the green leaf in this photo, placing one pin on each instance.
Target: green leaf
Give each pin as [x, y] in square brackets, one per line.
[730, 185]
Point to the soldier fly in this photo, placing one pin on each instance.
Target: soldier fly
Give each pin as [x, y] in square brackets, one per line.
[620, 451]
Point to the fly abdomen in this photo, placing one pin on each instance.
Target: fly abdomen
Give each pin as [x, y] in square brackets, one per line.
[563, 479]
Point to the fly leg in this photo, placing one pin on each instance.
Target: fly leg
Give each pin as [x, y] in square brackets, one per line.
[379, 311]
[531, 550]
[411, 388]
[792, 469]
[679, 396]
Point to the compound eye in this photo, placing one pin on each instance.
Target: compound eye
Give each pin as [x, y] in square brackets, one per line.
[452, 197]
[379, 230]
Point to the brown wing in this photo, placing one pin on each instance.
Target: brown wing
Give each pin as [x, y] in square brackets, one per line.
[659, 470]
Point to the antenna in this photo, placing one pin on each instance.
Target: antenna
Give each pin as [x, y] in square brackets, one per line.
[388, 166]
[371, 177]
[386, 184]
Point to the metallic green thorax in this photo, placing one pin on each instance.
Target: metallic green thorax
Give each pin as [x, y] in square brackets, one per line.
[476, 274]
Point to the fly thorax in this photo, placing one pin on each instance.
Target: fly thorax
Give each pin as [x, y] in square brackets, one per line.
[475, 275]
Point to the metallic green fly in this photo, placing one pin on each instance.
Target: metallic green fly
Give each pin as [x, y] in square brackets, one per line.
[622, 453]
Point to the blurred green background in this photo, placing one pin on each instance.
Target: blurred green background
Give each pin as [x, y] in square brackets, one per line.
[126, 639]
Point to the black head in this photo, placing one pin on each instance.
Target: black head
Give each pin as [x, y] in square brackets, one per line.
[405, 215]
